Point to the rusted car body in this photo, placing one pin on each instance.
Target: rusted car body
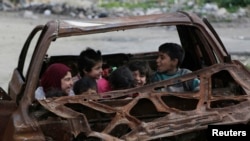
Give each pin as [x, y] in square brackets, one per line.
[223, 98]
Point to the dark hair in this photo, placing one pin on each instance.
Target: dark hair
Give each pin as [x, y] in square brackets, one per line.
[143, 68]
[84, 84]
[88, 59]
[173, 50]
[55, 92]
[121, 78]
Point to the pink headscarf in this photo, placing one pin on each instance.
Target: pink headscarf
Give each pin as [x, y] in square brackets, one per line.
[53, 75]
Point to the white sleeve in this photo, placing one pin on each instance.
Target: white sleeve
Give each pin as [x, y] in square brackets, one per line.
[39, 93]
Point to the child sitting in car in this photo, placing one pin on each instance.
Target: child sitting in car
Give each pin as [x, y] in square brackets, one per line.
[141, 72]
[90, 65]
[56, 81]
[121, 78]
[168, 66]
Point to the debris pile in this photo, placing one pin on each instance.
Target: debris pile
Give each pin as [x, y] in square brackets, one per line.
[93, 9]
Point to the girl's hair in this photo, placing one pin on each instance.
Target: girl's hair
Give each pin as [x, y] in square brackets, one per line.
[173, 50]
[84, 84]
[143, 68]
[121, 78]
[54, 92]
[88, 59]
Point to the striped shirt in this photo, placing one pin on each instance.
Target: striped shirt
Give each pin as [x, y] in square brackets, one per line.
[190, 85]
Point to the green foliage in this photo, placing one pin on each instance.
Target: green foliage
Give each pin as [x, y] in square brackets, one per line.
[232, 5]
[248, 66]
[144, 4]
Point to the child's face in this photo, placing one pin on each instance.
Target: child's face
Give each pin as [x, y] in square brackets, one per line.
[67, 83]
[165, 64]
[96, 71]
[140, 79]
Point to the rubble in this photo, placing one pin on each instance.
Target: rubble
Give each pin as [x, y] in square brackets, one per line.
[91, 9]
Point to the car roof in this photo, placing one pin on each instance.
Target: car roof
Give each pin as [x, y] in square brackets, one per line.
[66, 27]
[74, 28]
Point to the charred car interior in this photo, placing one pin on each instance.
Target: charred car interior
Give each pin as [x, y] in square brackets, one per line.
[223, 97]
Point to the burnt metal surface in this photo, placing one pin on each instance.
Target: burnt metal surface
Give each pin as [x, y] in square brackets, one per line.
[151, 114]
[143, 113]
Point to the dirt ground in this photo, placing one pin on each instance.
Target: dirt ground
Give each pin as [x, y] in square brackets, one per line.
[14, 29]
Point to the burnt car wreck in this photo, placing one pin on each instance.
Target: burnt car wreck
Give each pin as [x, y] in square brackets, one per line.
[223, 97]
